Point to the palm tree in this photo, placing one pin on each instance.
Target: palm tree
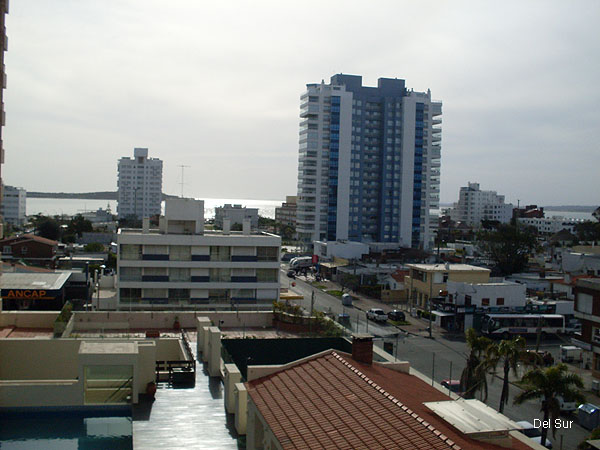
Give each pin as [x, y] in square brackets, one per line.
[547, 385]
[474, 375]
[510, 353]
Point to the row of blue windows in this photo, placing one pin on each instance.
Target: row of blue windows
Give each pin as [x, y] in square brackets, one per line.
[335, 109]
[420, 106]
[335, 100]
[334, 127]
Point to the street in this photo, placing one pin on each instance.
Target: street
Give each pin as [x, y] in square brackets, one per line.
[440, 358]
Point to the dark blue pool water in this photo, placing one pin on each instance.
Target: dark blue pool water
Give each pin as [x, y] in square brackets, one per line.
[65, 431]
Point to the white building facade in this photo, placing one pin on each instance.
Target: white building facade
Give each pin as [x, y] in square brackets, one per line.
[236, 214]
[475, 205]
[181, 265]
[139, 185]
[369, 163]
[549, 225]
[14, 205]
[483, 295]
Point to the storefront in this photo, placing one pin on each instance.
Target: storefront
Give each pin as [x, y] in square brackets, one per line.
[33, 291]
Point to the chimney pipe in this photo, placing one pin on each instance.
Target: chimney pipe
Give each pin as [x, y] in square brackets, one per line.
[362, 348]
[226, 226]
[246, 225]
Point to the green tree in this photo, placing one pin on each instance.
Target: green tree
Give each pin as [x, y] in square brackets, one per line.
[474, 375]
[508, 353]
[548, 385]
[47, 227]
[78, 225]
[94, 247]
[588, 231]
[508, 246]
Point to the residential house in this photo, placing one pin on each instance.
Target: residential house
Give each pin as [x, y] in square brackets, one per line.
[31, 249]
[425, 281]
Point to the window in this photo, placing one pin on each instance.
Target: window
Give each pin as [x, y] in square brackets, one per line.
[131, 251]
[584, 303]
[267, 253]
[179, 274]
[499, 301]
[467, 300]
[7, 250]
[220, 275]
[180, 253]
[266, 275]
[130, 274]
[485, 302]
[220, 253]
[596, 335]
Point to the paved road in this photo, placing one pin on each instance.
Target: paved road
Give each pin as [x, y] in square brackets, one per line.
[329, 303]
[438, 358]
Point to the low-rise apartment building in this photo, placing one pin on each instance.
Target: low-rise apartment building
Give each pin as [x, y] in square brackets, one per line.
[587, 309]
[181, 265]
[428, 280]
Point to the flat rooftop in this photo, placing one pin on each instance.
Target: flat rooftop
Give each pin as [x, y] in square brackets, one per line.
[48, 281]
[448, 268]
[205, 233]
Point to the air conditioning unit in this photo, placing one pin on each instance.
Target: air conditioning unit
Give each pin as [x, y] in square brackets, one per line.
[595, 386]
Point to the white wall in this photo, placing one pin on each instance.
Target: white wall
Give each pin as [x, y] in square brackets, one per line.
[514, 294]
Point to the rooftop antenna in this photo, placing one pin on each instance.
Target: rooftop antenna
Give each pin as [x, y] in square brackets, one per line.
[182, 168]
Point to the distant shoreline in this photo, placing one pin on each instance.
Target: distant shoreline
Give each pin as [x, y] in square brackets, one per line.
[101, 195]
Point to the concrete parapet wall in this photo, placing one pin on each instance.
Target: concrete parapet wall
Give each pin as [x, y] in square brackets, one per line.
[27, 319]
[24, 393]
[95, 320]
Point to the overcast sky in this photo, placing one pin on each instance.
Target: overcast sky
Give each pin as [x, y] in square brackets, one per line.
[216, 86]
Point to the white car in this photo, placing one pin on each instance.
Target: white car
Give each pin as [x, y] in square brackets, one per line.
[377, 314]
[533, 433]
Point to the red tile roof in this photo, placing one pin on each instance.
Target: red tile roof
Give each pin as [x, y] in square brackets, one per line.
[28, 237]
[333, 402]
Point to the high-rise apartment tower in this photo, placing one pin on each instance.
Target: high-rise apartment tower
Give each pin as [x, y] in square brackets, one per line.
[139, 185]
[369, 164]
[3, 48]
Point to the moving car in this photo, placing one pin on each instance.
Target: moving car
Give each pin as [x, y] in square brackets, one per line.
[533, 433]
[377, 314]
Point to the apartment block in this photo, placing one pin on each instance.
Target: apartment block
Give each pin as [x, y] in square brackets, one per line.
[236, 215]
[14, 205]
[475, 205]
[182, 265]
[139, 185]
[286, 213]
[549, 225]
[369, 162]
[3, 48]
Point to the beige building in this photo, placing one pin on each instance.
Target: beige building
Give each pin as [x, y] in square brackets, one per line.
[286, 213]
[427, 280]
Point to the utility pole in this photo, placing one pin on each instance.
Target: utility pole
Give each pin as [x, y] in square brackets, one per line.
[182, 168]
[430, 294]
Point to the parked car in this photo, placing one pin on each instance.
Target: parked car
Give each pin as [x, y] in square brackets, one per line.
[291, 274]
[533, 433]
[453, 386]
[570, 354]
[567, 407]
[397, 316]
[377, 314]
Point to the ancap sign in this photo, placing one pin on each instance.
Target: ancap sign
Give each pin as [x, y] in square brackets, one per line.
[29, 294]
